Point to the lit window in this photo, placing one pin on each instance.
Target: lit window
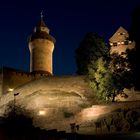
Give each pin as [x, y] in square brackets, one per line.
[119, 43]
[122, 42]
[121, 33]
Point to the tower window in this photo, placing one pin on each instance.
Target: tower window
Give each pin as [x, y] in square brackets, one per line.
[121, 33]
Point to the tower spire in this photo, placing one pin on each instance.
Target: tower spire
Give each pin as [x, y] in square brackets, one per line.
[42, 23]
[41, 15]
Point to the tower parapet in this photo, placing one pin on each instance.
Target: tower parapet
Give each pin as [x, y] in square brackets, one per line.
[41, 46]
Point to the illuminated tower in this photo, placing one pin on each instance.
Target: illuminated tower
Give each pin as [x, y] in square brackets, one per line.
[120, 42]
[41, 46]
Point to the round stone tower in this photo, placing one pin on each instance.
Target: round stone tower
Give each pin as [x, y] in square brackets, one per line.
[41, 46]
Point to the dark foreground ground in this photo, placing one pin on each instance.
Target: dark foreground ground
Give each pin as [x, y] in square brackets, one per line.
[132, 136]
[128, 136]
[54, 135]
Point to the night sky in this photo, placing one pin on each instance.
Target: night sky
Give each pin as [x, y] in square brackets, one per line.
[68, 21]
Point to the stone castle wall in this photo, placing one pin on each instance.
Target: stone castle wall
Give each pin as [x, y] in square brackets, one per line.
[55, 94]
[11, 79]
[14, 79]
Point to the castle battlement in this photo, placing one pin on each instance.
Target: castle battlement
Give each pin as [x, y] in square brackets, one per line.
[12, 78]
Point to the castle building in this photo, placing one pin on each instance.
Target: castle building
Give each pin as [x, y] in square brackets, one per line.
[120, 42]
[56, 102]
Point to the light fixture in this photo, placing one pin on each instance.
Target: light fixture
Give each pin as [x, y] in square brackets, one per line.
[10, 89]
[42, 112]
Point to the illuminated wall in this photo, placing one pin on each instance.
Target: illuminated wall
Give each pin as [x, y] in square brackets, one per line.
[11, 79]
[41, 55]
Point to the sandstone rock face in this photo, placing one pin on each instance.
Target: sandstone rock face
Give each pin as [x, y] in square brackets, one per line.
[57, 102]
[61, 98]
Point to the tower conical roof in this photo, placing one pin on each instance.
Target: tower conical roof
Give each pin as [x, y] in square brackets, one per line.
[42, 23]
[41, 31]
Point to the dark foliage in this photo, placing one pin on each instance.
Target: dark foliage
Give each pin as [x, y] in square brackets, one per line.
[122, 71]
[16, 123]
[134, 56]
[90, 49]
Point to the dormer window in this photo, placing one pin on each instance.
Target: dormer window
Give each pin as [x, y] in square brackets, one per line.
[119, 43]
[121, 33]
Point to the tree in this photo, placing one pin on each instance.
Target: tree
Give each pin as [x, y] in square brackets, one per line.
[109, 79]
[90, 49]
[122, 71]
[101, 80]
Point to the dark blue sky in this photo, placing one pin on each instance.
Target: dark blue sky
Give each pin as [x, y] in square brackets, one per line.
[68, 20]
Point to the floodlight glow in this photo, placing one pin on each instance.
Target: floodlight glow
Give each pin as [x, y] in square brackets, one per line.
[42, 112]
[10, 89]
